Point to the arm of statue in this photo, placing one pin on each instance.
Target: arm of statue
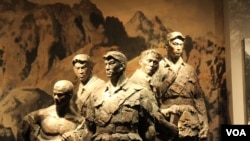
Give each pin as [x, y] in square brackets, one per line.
[77, 134]
[153, 110]
[162, 79]
[199, 105]
[89, 120]
[28, 128]
[74, 135]
[177, 109]
[23, 132]
[203, 117]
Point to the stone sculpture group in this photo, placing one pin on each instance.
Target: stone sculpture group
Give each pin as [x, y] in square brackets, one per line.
[161, 101]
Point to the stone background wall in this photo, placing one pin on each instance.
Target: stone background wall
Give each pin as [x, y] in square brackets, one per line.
[39, 39]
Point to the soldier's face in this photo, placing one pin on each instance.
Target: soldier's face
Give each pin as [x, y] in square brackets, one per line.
[149, 64]
[176, 48]
[61, 99]
[113, 68]
[82, 70]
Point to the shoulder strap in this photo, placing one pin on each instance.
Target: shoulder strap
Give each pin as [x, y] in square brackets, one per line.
[111, 106]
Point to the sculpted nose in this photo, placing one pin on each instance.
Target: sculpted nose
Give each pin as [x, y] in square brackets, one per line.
[151, 63]
[55, 96]
[107, 67]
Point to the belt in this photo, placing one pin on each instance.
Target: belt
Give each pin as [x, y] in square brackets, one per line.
[48, 137]
[117, 137]
[177, 101]
[112, 128]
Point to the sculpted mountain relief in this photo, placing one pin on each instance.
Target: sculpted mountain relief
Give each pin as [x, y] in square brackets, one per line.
[37, 43]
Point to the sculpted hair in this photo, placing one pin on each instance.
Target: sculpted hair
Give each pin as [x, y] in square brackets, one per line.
[118, 56]
[151, 51]
[63, 86]
[82, 59]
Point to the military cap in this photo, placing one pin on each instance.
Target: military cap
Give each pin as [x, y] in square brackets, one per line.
[116, 55]
[175, 35]
[63, 86]
[81, 57]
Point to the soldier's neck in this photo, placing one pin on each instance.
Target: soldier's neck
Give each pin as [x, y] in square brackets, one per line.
[173, 59]
[116, 80]
[84, 82]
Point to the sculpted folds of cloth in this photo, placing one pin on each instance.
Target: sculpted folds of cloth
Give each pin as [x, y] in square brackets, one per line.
[181, 97]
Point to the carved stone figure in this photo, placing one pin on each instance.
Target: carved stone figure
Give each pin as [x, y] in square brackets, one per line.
[120, 109]
[58, 122]
[148, 65]
[83, 66]
[181, 97]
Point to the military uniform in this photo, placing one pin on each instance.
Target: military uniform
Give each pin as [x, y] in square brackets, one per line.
[181, 96]
[122, 112]
[141, 78]
[84, 91]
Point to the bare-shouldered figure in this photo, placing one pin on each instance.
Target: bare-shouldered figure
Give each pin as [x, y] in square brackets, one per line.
[58, 122]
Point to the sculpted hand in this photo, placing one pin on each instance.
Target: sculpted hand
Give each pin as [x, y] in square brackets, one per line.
[175, 133]
[68, 136]
[166, 112]
[176, 130]
[203, 133]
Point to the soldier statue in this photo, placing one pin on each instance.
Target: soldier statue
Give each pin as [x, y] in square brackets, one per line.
[83, 67]
[120, 110]
[181, 97]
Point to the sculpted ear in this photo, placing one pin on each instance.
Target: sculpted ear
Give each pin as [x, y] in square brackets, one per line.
[122, 67]
[140, 62]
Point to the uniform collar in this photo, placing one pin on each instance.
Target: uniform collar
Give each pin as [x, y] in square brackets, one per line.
[174, 66]
[144, 75]
[170, 63]
[121, 84]
[91, 78]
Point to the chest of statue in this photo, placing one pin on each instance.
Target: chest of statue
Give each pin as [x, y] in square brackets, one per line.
[122, 107]
[56, 125]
